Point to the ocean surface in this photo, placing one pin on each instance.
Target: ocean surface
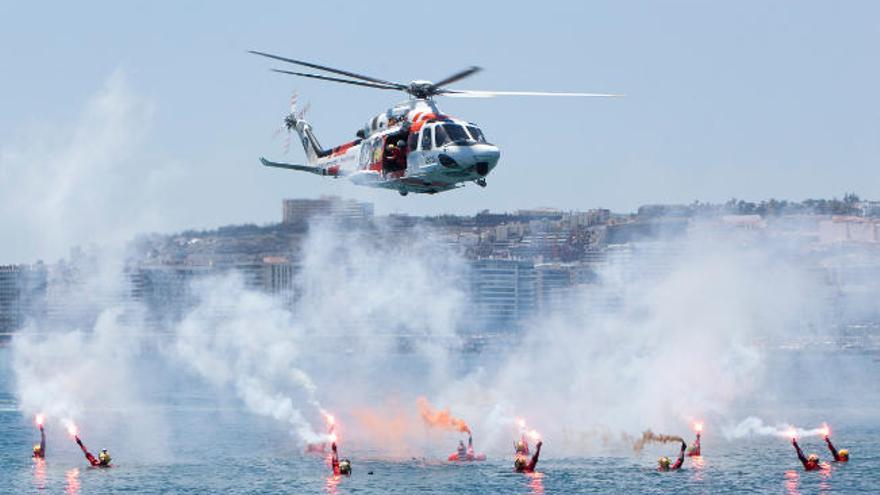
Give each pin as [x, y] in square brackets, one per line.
[207, 450]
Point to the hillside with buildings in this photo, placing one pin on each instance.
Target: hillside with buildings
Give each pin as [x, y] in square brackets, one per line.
[518, 264]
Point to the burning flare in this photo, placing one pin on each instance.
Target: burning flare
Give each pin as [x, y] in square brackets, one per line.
[440, 418]
[72, 430]
[649, 436]
[39, 419]
[825, 430]
[698, 427]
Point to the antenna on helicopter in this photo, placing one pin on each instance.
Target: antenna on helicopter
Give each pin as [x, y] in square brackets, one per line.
[417, 89]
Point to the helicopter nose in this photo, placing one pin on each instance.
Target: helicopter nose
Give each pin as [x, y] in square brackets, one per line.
[481, 158]
[485, 158]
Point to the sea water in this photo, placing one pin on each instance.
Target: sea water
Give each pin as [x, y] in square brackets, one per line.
[216, 446]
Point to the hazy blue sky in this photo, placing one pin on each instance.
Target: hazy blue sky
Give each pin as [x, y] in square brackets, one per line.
[738, 99]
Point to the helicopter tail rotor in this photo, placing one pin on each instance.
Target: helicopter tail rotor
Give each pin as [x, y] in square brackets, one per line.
[290, 120]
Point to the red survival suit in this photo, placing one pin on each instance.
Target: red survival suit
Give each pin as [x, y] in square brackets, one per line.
[103, 462]
[835, 452]
[519, 464]
[40, 451]
[339, 468]
[678, 462]
[809, 464]
[694, 451]
[466, 454]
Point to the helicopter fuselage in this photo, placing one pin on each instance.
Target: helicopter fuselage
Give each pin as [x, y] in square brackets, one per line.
[434, 152]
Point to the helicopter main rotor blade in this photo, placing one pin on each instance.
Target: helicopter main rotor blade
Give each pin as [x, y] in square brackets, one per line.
[337, 79]
[465, 93]
[329, 69]
[458, 76]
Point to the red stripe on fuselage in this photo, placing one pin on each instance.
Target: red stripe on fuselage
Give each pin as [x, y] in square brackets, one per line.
[341, 149]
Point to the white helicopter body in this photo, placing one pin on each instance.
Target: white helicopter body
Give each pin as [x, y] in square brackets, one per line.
[411, 147]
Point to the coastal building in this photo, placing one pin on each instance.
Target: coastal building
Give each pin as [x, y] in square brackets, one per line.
[503, 291]
[22, 293]
[332, 207]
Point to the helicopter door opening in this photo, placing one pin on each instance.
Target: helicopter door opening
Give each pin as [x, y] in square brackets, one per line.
[395, 152]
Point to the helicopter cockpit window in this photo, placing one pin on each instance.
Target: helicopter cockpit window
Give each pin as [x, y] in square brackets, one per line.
[450, 134]
[476, 134]
[426, 137]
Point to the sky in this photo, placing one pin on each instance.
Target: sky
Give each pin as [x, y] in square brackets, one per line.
[123, 117]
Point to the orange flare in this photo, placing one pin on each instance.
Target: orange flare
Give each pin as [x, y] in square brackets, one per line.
[698, 426]
[825, 430]
[333, 437]
[39, 419]
[72, 430]
[792, 433]
[534, 435]
[440, 418]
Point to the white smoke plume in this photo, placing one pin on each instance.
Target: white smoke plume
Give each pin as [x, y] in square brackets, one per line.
[654, 344]
[92, 379]
[92, 180]
[245, 341]
[753, 426]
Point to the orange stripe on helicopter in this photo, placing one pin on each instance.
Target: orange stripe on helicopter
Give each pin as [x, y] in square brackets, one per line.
[424, 118]
[341, 149]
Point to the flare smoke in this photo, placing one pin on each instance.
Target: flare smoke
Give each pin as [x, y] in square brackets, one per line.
[440, 418]
[651, 437]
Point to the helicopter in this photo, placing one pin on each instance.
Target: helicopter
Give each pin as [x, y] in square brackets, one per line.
[413, 147]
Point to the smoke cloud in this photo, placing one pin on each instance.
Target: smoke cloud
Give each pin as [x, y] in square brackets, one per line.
[440, 418]
[669, 331]
[753, 426]
[651, 437]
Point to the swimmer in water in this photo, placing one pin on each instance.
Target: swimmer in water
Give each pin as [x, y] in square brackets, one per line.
[521, 464]
[340, 467]
[811, 462]
[103, 459]
[664, 463]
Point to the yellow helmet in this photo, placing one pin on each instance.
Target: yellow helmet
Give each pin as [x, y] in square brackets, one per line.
[104, 456]
[519, 462]
[37, 448]
[843, 453]
[813, 458]
[664, 462]
[520, 446]
[345, 466]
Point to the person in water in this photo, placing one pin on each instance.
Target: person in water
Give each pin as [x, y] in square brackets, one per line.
[521, 464]
[665, 464]
[522, 446]
[694, 449]
[340, 467]
[462, 449]
[841, 455]
[40, 448]
[466, 453]
[811, 462]
[103, 459]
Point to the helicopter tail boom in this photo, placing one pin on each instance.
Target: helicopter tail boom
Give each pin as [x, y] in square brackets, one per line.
[310, 143]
